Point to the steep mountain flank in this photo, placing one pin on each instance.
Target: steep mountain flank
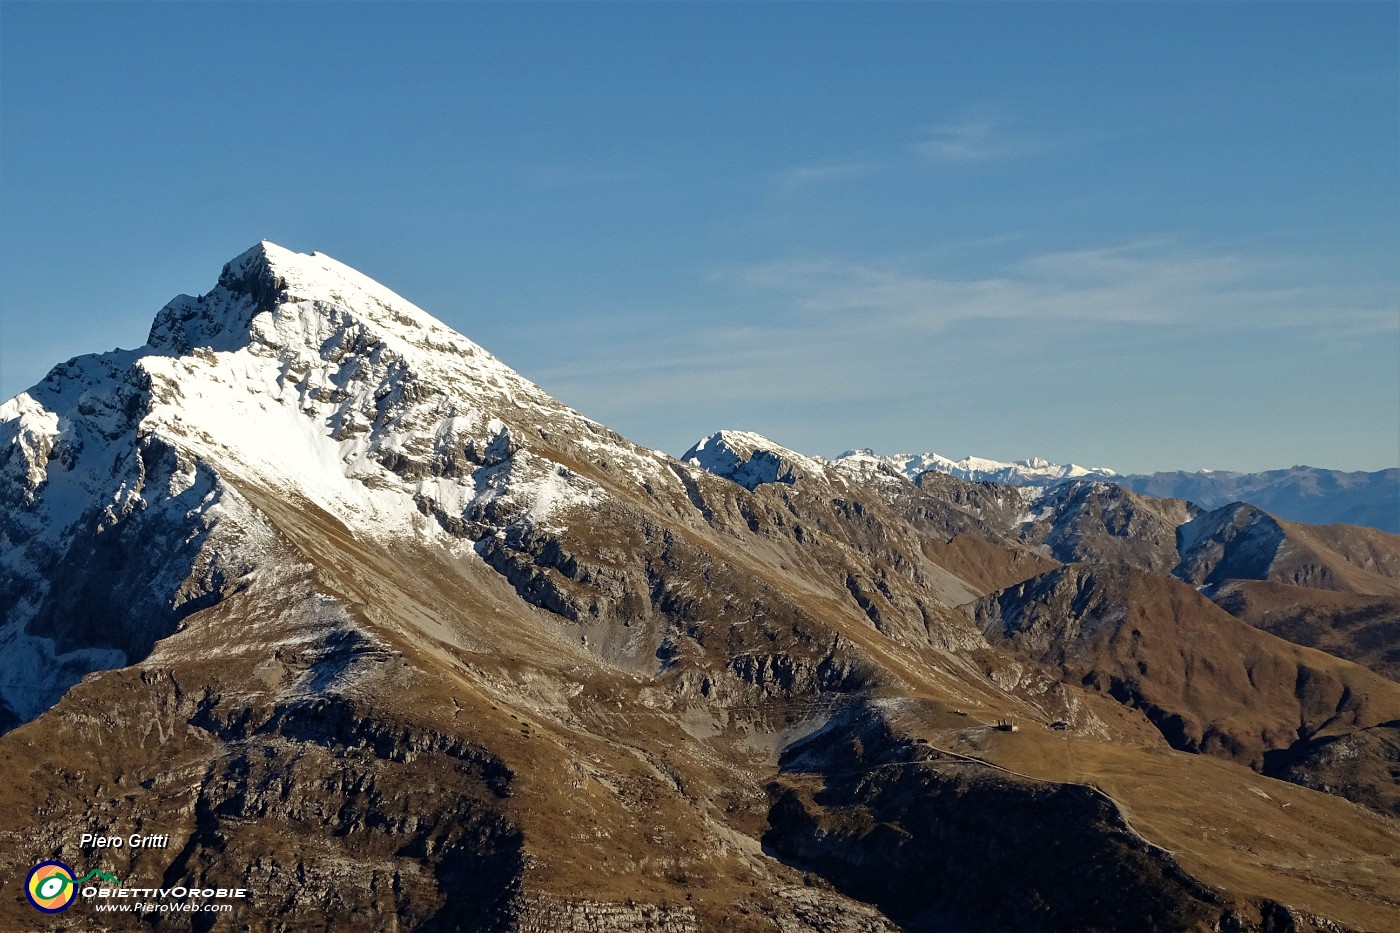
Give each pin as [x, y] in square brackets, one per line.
[1087, 520]
[1099, 522]
[958, 526]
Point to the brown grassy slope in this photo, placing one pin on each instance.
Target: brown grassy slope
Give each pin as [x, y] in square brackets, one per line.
[437, 738]
[1208, 681]
[1347, 558]
[589, 714]
[1228, 827]
[1357, 627]
[986, 564]
[418, 751]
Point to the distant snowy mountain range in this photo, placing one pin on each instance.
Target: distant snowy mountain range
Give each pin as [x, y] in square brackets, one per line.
[1300, 493]
[1032, 472]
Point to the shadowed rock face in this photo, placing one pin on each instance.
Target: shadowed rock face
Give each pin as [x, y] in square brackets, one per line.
[943, 842]
[270, 778]
[1233, 542]
[374, 628]
[321, 773]
[935, 852]
[1361, 765]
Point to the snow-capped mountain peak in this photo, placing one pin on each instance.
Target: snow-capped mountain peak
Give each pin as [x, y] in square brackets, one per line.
[750, 459]
[295, 378]
[306, 375]
[280, 298]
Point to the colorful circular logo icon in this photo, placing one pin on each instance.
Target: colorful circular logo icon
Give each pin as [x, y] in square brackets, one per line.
[50, 887]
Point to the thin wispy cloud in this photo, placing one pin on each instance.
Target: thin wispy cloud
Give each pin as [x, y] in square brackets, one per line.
[1139, 283]
[984, 137]
[833, 328]
[905, 340]
[976, 139]
[796, 178]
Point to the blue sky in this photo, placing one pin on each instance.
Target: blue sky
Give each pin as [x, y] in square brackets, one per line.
[1144, 236]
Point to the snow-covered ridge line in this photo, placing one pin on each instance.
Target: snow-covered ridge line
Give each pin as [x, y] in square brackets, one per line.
[752, 459]
[1034, 471]
[305, 375]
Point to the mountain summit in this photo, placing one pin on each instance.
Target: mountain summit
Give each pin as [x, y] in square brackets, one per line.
[279, 298]
[364, 622]
[295, 374]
